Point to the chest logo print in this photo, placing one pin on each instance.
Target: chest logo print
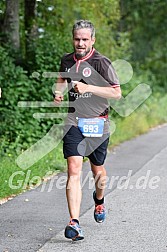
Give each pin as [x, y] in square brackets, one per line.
[87, 72]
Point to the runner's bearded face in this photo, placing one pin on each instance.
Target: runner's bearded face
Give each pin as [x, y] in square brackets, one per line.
[82, 42]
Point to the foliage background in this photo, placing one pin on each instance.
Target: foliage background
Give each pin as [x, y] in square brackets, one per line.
[131, 30]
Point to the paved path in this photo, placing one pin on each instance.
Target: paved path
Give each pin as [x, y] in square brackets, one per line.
[136, 217]
[136, 220]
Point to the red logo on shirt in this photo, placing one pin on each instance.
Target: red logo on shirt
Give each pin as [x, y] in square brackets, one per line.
[87, 72]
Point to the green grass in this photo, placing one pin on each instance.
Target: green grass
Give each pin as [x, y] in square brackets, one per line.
[14, 180]
[148, 115]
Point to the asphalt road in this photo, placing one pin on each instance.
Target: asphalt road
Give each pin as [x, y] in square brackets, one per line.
[35, 220]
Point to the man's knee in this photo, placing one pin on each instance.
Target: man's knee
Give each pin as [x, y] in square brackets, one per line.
[74, 167]
[98, 170]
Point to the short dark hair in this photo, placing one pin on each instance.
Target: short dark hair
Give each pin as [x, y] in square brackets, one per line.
[80, 24]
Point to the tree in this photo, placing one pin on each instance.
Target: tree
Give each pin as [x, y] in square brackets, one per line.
[31, 30]
[146, 22]
[11, 24]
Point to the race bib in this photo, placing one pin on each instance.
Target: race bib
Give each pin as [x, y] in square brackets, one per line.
[91, 127]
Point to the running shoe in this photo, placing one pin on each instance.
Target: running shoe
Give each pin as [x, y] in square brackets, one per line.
[73, 231]
[99, 212]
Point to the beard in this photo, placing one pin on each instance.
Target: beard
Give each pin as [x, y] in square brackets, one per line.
[80, 55]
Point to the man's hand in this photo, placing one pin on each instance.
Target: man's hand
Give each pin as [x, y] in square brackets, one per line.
[80, 87]
[58, 97]
[105, 92]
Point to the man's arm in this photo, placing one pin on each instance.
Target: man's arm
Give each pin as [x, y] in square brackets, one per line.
[105, 92]
[60, 88]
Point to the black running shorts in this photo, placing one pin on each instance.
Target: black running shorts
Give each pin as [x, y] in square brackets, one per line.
[75, 144]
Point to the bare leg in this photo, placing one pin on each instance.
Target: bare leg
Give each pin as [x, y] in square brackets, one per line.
[99, 174]
[73, 187]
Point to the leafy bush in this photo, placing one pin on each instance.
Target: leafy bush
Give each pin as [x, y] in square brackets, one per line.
[18, 127]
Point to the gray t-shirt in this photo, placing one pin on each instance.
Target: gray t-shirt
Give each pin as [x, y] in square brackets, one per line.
[93, 69]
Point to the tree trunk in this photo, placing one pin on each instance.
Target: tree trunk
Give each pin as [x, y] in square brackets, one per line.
[11, 24]
[31, 30]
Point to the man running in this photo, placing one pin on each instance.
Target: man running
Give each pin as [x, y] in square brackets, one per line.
[91, 81]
